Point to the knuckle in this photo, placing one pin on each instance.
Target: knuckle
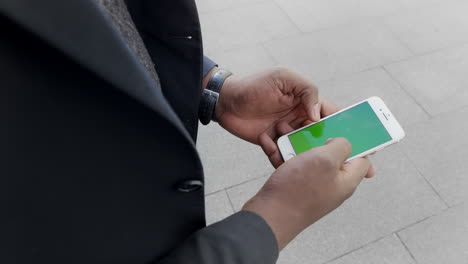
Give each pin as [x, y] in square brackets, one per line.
[325, 160]
[283, 73]
[295, 170]
[311, 92]
[281, 69]
[367, 163]
[294, 166]
[275, 163]
[346, 144]
[303, 163]
[313, 88]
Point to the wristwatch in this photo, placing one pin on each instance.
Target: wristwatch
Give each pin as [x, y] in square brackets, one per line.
[210, 96]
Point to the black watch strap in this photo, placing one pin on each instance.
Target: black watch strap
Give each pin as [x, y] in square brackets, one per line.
[216, 82]
[206, 110]
[210, 95]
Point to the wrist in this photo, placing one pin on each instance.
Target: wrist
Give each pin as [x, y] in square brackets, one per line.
[285, 222]
[214, 82]
[224, 94]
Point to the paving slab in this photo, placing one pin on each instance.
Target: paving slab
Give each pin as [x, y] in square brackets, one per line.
[228, 160]
[244, 61]
[311, 16]
[352, 89]
[240, 194]
[388, 250]
[315, 15]
[217, 207]
[396, 198]
[438, 81]
[335, 52]
[244, 26]
[440, 239]
[413, 54]
[432, 28]
[438, 149]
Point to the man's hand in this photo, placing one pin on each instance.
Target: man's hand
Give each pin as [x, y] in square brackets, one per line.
[308, 187]
[268, 139]
[251, 106]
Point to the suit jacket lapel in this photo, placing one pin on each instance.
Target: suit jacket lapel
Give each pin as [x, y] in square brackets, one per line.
[81, 30]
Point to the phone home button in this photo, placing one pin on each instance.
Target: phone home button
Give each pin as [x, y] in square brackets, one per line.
[291, 155]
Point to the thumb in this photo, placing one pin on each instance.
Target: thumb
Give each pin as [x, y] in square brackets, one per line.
[354, 172]
[307, 91]
[311, 103]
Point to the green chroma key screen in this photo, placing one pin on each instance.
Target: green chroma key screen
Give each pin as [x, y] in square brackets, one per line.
[359, 124]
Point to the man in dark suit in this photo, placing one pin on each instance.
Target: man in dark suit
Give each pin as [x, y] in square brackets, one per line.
[100, 106]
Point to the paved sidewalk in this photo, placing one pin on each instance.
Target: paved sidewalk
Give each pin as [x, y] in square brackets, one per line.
[413, 54]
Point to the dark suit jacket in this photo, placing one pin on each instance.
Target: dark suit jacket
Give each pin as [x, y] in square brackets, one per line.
[98, 162]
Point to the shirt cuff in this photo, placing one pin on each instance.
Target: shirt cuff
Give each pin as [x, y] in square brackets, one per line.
[208, 64]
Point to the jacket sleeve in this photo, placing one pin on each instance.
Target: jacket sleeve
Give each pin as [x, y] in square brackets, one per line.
[208, 64]
[242, 238]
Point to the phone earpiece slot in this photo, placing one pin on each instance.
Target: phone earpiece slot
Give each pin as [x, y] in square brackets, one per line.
[385, 116]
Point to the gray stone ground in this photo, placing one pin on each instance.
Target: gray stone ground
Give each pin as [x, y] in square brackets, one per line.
[413, 54]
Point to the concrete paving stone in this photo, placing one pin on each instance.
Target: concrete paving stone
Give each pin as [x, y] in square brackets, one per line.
[228, 160]
[409, 52]
[245, 60]
[440, 239]
[388, 250]
[437, 81]
[240, 194]
[217, 207]
[217, 5]
[397, 197]
[438, 148]
[418, 4]
[338, 51]
[244, 26]
[352, 89]
[432, 28]
[310, 16]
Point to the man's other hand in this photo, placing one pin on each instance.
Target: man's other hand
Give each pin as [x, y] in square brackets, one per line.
[308, 187]
[253, 105]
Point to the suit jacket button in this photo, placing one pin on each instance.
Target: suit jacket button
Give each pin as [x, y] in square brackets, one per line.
[190, 186]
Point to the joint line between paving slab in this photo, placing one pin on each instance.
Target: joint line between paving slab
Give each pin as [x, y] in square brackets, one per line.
[213, 193]
[422, 220]
[384, 236]
[289, 18]
[237, 184]
[230, 201]
[407, 249]
[356, 249]
[262, 45]
[426, 180]
[408, 93]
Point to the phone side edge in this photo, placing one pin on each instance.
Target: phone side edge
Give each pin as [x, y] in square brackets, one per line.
[374, 150]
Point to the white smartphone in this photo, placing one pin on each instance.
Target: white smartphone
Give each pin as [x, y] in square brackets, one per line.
[368, 125]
